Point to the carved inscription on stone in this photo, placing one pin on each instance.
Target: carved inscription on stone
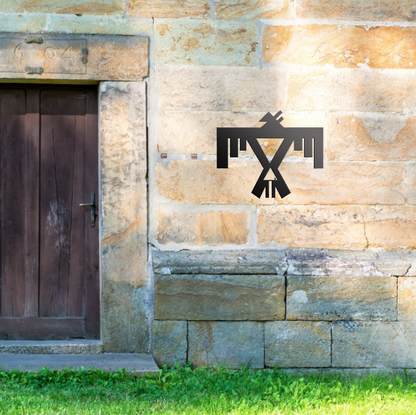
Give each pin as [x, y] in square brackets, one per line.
[37, 55]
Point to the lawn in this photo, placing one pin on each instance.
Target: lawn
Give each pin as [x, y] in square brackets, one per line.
[202, 391]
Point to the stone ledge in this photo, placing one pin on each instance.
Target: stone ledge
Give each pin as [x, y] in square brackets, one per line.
[89, 347]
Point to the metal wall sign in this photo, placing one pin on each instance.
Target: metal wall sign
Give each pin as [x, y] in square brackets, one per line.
[310, 140]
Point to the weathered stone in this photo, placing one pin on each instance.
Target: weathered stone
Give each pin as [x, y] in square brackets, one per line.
[370, 137]
[390, 227]
[219, 297]
[220, 262]
[255, 9]
[342, 46]
[168, 8]
[410, 183]
[337, 227]
[373, 344]
[89, 347]
[169, 342]
[23, 23]
[213, 88]
[57, 6]
[74, 57]
[356, 10]
[361, 90]
[226, 343]
[406, 299]
[202, 42]
[202, 228]
[103, 25]
[123, 216]
[341, 298]
[297, 344]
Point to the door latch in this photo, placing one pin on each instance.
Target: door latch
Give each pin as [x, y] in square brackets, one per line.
[92, 204]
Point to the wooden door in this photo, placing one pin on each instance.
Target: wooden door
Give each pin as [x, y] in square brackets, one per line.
[49, 250]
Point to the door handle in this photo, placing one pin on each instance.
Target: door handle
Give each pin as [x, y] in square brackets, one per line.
[92, 205]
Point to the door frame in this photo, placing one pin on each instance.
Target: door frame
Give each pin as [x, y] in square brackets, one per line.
[122, 153]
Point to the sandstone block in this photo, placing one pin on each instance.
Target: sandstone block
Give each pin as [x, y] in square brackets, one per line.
[297, 344]
[202, 228]
[337, 227]
[23, 23]
[356, 10]
[390, 227]
[201, 42]
[214, 88]
[168, 8]
[248, 261]
[319, 89]
[406, 299]
[410, 183]
[373, 344]
[226, 343]
[370, 137]
[58, 6]
[341, 298]
[219, 297]
[169, 344]
[341, 46]
[254, 9]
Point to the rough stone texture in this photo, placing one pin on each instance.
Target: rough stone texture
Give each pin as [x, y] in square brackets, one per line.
[361, 90]
[124, 216]
[105, 25]
[71, 7]
[410, 183]
[370, 137]
[219, 297]
[51, 347]
[169, 343]
[390, 227]
[341, 298]
[297, 344]
[226, 343]
[342, 46]
[24, 23]
[254, 9]
[61, 57]
[311, 226]
[356, 10]
[374, 344]
[202, 228]
[210, 88]
[406, 299]
[168, 8]
[199, 42]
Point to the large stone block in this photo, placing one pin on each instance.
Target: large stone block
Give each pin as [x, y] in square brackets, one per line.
[202, 228]
[370, 137]
[169, 342]
[201, 42]
[356, 10]
[390, 227]
[226, 343]
[212, 88]
[341, 298]
[168, 8]
[219, 297]
[406, 299]
[255, 9]
[297, 344]
[338, 227]
[123, 216]
[66, 7]
[410, 183]
[373, 344]
[248, 261]
[360, 89]
[341, 46]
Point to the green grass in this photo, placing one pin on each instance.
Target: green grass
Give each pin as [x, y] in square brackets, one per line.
[202, 391]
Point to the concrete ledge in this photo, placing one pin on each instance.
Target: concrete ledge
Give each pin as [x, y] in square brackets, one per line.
[139, 363]
[51, 347]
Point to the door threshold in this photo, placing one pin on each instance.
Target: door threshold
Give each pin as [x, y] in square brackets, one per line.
[75, 346]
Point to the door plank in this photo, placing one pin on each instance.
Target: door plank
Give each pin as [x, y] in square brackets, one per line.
[13, 137]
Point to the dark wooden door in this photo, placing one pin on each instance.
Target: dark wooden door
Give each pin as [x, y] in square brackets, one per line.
[49, 250]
